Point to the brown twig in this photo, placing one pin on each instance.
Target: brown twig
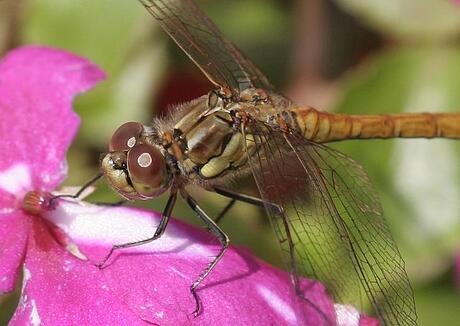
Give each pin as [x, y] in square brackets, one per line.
[11, 12]
[309, 38]
[308, 84]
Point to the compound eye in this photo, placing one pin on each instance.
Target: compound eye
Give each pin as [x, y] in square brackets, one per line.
[146, 167]
[126, 136]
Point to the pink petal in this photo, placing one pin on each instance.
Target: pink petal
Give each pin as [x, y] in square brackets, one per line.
[347, 315]
[37, 86]
[153, 280]
[368, 321]
[14, 230]
[60, 289]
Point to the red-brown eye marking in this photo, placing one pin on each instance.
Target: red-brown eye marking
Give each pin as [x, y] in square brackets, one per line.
[146, 166]
[126, 136]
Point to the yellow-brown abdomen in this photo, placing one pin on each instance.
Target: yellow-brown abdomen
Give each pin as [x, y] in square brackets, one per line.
[322, 127]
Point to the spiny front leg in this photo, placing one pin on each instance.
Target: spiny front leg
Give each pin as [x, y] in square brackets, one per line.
[158, 233]
[221, 236]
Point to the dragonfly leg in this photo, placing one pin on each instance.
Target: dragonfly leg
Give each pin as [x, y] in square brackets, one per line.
[80, 191]
[238, 196]
[241, 197]
[221, 236]
[225, 210]
[301, 295]
[158, 233]
[115, 204]
[294, 271]
[86, 186]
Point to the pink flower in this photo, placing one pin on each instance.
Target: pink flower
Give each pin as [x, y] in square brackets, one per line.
[57, 251]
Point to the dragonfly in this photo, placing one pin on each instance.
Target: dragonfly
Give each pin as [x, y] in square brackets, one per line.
[324, 210]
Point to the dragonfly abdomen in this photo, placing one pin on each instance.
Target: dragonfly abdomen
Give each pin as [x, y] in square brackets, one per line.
[322, 127]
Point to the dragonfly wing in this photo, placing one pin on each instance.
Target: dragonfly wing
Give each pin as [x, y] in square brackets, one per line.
[218, 58]
[331, 227]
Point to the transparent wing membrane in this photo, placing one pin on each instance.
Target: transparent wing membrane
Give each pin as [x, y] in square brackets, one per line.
[218, 58]
[331, 227]
[330, 223]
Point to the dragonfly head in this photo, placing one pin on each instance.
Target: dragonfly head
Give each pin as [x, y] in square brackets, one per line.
[133, 167]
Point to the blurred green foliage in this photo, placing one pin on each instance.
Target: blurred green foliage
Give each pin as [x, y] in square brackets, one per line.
[417, 178]
[411, 20]
[415, 68]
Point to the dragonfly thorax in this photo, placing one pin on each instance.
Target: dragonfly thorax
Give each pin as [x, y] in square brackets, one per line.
[211, 140]
[134, 167]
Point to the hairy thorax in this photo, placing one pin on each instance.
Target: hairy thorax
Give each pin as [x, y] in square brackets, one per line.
[211, 143]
